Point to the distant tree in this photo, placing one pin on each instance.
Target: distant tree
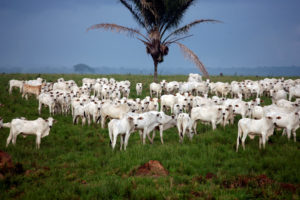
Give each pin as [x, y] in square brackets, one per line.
[158, 17]
[83, 69]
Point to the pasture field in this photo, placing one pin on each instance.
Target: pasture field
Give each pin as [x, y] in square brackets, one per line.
[76, 162]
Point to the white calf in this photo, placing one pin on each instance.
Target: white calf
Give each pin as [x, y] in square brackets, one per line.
[123, 127]
[139, 88]
[184, 124]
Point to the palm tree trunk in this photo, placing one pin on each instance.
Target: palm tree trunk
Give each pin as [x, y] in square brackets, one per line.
[155, 71]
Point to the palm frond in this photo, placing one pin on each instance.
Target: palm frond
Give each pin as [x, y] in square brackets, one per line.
[175, 14]
[173, 40]
[149, 6]
[117, 28]
[189, 54]
[186, 28]
[135, 14]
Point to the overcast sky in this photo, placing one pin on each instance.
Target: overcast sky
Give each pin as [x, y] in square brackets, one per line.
[53, 33]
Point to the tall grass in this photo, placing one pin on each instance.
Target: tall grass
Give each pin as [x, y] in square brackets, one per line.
[77, 162]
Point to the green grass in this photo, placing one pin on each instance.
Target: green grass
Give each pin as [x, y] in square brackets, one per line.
[77, 162]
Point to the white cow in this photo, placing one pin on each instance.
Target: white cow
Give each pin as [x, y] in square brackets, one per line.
[38, 127]
[113, 111]
[212, 114]
[263, 128]
[155, 88]
[15, 83]
[289, 121]
[294, 92]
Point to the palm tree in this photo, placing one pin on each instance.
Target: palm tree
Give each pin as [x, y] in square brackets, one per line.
[160, 19]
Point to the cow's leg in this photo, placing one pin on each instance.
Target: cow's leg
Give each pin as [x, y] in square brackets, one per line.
[38, 140]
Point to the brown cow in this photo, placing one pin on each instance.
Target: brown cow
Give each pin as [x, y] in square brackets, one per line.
[29, 89]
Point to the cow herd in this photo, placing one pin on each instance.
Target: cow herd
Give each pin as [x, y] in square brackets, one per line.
[169, 104]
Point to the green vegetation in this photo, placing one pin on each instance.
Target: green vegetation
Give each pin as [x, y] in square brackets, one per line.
[77, 162]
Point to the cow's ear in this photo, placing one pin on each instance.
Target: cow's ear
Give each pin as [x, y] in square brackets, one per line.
[54, 121]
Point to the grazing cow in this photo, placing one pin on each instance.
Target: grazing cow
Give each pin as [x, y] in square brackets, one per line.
[263, 128]
[38, 127]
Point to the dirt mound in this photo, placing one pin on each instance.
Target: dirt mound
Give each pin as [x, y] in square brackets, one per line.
[5, 160]
[151, 168]
[6, 164]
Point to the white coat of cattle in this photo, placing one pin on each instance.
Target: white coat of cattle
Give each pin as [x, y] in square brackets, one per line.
[113, 111]
[146, 122]
[15, 83]
[294, 92]
[277, 95]
[211, 114]
[194, 78]
[155, 88]
[263, 128]
[184, 124]
[47, 99]
[289, 122]
[165, 122]
[79, 112]
[167, 101]
[38, 127]
[123, 127]
[139, 88]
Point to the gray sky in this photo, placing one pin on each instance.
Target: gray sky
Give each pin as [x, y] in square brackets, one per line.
[53, 33]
